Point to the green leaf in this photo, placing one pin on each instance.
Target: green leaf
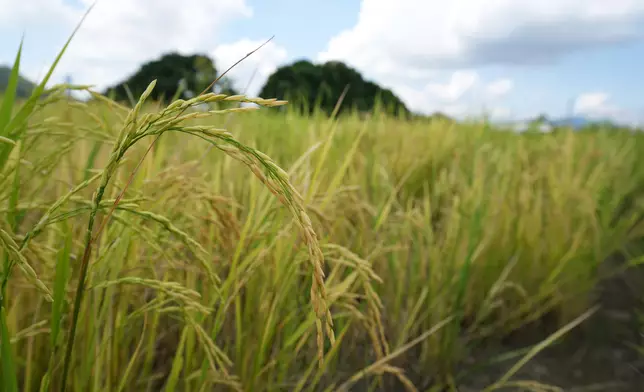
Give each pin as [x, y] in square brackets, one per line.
[9, 381]
[60, 283]
[10, 95]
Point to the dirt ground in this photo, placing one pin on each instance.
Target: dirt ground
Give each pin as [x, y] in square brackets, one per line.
[596, 356]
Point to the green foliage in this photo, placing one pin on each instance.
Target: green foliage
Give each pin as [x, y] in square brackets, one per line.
[309, 86]
[175, 74]
[435, 235]
[12, 133]
[426, 239]
[23, 89]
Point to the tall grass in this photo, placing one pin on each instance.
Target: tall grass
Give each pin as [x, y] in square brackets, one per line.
[436, 236]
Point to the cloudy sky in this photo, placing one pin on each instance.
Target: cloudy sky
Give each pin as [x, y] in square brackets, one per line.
[511, 58]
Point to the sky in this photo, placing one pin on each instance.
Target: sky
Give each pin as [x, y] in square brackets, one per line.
[510, 59]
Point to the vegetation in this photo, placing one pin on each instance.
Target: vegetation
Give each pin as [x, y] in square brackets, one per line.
[137, 257]
[24, 88]
[177, 76]
[309, 87]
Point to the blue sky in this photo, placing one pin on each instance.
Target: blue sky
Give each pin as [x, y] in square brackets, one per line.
[512, 58]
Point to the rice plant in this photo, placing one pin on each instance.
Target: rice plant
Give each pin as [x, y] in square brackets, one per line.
[138, 257]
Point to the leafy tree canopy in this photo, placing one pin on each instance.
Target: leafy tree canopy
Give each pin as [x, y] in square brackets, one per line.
[306, 85]
[172, 70]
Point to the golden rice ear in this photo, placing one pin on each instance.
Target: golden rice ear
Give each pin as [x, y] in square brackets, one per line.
[261, 165]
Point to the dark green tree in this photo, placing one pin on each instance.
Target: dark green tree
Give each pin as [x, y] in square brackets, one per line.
[440, 116]
[307, 86]
[194, 73]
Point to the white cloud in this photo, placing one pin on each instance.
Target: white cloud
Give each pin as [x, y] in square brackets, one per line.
[459, 93]
[119, 35]
[500, 112]
[593, 103]
[499, 88]
[34, 12]
[598, 105]
[426, 38]
[459, 83]
[420, 34]
[463, 92]
[254, 70]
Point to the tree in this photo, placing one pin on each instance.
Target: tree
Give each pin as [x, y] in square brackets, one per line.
[440, 116]
[542, 119]
[308, 86]
[194, 73]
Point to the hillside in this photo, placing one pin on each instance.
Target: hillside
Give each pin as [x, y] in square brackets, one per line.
[25, 86]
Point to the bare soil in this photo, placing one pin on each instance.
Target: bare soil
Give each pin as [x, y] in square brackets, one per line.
[598, 355]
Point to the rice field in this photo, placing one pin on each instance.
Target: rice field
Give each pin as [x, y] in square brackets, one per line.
[162, 248]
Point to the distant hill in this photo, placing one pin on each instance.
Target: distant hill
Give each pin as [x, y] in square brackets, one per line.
[25, 86]
[544, 124]
[573, 122]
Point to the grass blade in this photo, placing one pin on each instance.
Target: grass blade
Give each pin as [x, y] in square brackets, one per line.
[10, 94]
[17, 125]
[63, 268]
[9, 380]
